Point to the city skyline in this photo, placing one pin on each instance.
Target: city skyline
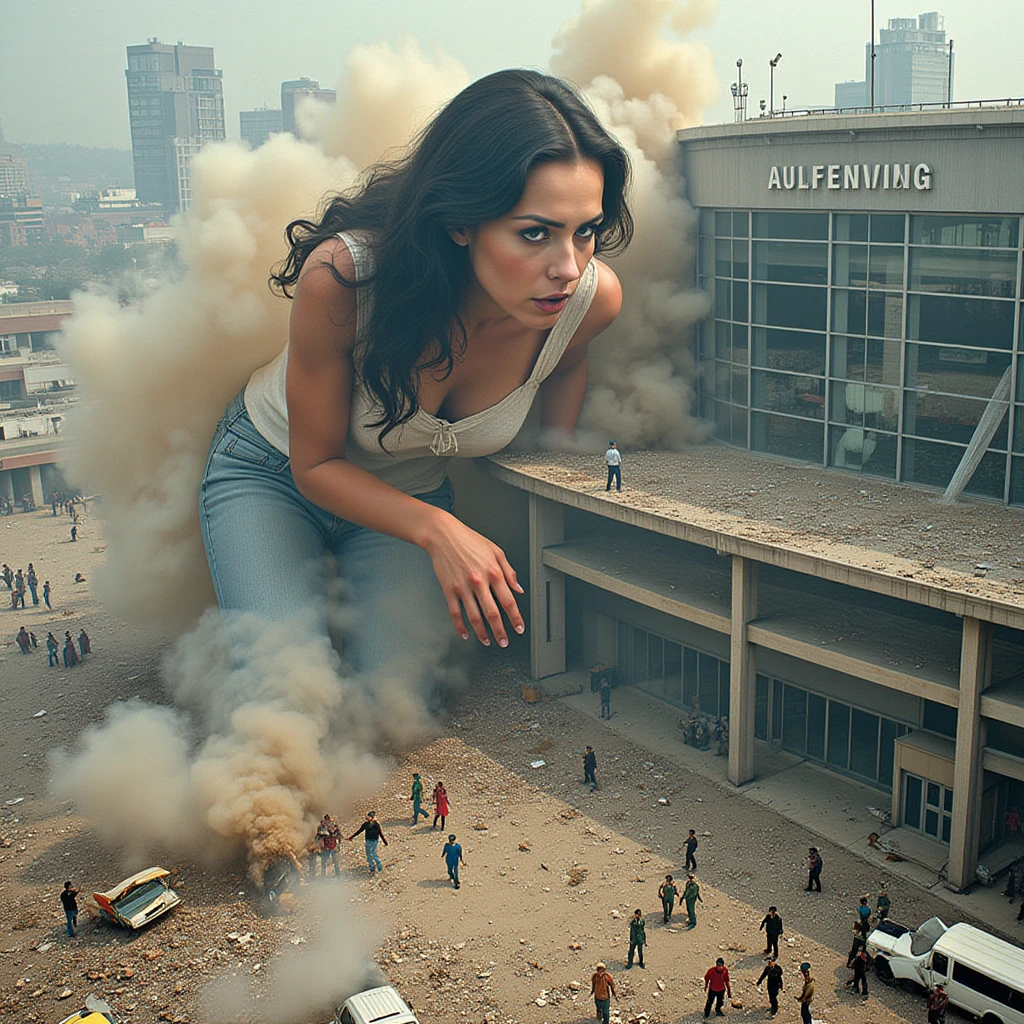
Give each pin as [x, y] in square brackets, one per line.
[83, 62]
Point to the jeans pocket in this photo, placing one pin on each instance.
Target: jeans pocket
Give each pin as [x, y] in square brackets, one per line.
[253, 453]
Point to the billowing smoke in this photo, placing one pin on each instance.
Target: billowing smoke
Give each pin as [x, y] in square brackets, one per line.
[262, 744]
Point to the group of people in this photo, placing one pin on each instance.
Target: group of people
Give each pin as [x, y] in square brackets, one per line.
[66, 504]
[72, 655]
[439, 798]
[20, 581]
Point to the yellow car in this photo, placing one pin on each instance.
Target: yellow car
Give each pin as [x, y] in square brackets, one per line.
[95, 1011]
[139, 899]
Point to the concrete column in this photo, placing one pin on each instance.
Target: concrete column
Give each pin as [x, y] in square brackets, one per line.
[35, 479]
[7, 483]
[975, 676]
[547, 591]
[742, 672]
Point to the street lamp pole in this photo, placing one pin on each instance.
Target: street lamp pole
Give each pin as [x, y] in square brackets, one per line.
[771, 94]
[739, 94]
[949, 77]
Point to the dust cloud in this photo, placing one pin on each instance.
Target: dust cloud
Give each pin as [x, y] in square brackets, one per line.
[263, 742]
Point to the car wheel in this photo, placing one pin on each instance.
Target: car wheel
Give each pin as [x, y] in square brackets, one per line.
[883, 971]
[990, 1018]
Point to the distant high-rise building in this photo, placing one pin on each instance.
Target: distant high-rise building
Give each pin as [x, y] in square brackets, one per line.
[256, 126]
[175, 106]
[13, 169]
[292, 93]
[912, 65]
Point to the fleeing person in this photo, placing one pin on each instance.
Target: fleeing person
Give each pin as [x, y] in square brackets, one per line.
[328, 833]
[74, 532]
[716, 984]
[691, 849]
[33, 583]
[430, 305]
[691, 897]
[938, 1003]
[69, 901]
[602, 988]
[452, 856]
[52, 647]
[637, 938]
[46, 594]
[590, 767]
[667, 893]
[860, 972]
[440, 798]
[23, 640]
[372, 835]
[417, 799]
[613, 459]
[771, 925]
[814, 866]
[772, 976]
[806, 994]
[84, 643]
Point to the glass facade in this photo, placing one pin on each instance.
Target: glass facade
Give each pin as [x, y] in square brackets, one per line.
[843, 737]
[867, 342]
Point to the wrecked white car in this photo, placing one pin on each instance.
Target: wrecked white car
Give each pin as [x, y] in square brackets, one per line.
[137, 900]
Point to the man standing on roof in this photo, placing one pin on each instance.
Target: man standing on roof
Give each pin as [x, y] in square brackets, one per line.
[70, 903]
[613, 458]
[602, 988]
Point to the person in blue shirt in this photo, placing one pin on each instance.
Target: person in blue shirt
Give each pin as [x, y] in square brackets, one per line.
[864, 916]
[452, 854]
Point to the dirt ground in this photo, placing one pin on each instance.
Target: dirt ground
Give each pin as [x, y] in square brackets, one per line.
[553, 870]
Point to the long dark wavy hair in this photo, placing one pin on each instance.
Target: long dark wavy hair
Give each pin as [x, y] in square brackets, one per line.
[467, 167]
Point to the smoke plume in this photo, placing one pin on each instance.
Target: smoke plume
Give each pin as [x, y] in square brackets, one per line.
[261, 744]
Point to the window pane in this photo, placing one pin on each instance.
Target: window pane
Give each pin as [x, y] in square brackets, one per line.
[964, 272]
[947, 800]
[780, 224]
[998, 232]
[783, 435]
[838, 734]
[722, 332]
[887, 227]
[655, 665]
[779, 305]
[723, 257]
[885, 315]
[797, 351]
[689, 675]
[882, 362]
[708, 684]
[739, 343]
[931, 823]
[739, 300]
[816, 726]
[931, 797]
[741, 224]
[794, 719]
[852, 227]
[887, 751]
[739, 258]
[947, 826]
[739, 384]
[849, 311]
[738, 424]
[673, 672]
[850, 266]
[761, 708]
[723, 223]
[639, 657]
[912, 801]
[800, 262]
[865, 405]
[886, 266]
[789, 393]
[723, 292]
[958, 371]
[928, 462]
[776, 710]
[864, 744]
[868, 451]
[848, 357]
[947, 418]
[979, 323]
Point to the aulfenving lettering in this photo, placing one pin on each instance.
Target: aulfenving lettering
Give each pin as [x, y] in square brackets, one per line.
[851, 176]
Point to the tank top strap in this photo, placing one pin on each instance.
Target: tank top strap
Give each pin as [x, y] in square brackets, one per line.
[362, 264]
[562, 333]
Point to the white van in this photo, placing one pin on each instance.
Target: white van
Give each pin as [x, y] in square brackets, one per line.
[376, 1006]
[981, 974]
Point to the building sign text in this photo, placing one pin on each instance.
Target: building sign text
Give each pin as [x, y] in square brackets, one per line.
[851, 176]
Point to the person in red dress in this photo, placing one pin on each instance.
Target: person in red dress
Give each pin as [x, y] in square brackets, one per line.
[440, 804]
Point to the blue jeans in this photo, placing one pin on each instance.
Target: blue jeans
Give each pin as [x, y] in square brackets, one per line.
[371, 856]
[453, 873]
[72, 916]
[267, 547]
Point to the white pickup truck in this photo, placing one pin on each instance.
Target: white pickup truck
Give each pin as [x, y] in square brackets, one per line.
[981, 974]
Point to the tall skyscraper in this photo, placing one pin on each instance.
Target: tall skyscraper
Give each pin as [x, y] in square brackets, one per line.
[292, 93]
[912, 65]
[256, 126]
[13, 169]
[175, 106]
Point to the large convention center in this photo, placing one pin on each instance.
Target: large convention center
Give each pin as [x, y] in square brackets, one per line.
[864, 272]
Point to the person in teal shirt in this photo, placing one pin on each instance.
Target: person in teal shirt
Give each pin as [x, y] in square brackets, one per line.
[637, 937]
[417, 799]
[452, 854]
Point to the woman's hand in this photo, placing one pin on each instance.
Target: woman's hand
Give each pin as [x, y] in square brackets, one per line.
[476, 578]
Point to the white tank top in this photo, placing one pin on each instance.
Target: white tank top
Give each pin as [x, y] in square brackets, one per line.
[416, 454]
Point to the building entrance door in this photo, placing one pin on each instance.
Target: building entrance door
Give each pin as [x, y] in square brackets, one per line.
[927, 807]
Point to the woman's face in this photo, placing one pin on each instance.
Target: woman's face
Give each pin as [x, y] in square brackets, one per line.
[528, 262]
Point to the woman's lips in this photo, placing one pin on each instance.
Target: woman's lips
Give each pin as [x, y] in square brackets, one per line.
[551, 304]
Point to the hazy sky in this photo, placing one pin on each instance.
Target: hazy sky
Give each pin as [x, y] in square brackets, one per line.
[62, 61]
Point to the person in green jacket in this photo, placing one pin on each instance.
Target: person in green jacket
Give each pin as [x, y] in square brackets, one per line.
[668, 892]
[691, 895]
[637, 937]
[417, 799]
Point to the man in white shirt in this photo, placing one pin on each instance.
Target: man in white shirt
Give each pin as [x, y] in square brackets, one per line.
[614, 459]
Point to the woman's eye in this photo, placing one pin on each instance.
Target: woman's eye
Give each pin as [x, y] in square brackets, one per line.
[536, 234]
[587, 231]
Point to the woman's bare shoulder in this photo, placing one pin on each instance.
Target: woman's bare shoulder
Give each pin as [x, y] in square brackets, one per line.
[324, 307]
[604, 307]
